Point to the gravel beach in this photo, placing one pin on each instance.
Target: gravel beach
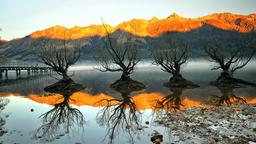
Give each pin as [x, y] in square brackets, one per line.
[234, 124]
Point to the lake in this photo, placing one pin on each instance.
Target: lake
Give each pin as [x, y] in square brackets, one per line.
[99, 114]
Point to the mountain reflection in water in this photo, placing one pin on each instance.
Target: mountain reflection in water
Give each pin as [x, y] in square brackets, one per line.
[142, 101]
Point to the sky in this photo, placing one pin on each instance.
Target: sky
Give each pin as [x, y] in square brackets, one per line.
[19, 18]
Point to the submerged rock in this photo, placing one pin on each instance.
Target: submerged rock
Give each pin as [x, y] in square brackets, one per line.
[127, 85]
[179, 81]
[156, 138]
[2, 132]
[64, 85]
[225, 80]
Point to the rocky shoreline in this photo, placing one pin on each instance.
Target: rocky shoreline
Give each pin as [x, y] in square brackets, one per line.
[234, 124]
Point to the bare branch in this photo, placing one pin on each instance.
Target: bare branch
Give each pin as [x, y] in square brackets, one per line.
[232, 54]
[59, 54]
[171, 55]
[118, 54]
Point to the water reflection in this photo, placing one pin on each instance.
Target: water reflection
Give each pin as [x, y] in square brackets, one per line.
[26, 85]
[63, 117]
[171, 101]
[120, 114]
[3, 103]
[228, 97]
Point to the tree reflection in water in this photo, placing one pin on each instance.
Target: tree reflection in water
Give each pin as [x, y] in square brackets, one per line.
[227, 97]
[172, 101]
[120, 114]
[3, 103]
[63, 117]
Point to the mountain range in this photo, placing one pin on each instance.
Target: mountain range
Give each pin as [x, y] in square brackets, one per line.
[194, 30]
[156, 27]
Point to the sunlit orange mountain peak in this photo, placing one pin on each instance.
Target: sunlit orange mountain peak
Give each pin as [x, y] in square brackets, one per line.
[156, 27]
[52, 32]
[135, 26]
[76, 32]
[229, 21]
[177, 23]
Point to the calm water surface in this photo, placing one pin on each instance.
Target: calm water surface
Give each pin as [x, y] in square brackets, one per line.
[28, 114]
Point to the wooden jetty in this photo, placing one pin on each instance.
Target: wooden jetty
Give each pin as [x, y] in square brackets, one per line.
[5, 68]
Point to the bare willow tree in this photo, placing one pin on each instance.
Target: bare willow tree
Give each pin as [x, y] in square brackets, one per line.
[59, 54]
[119, 114]
[230, 55]
[119, 54]
[171, 55]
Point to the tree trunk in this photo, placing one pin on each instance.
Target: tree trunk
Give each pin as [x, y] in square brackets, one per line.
[226, 72]
[65, 75]
[224, 75]
[176, 77]
[125, 76]
[176, 74]
[177, 69]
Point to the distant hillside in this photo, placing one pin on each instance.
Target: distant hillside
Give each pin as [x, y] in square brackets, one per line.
[147, 32]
